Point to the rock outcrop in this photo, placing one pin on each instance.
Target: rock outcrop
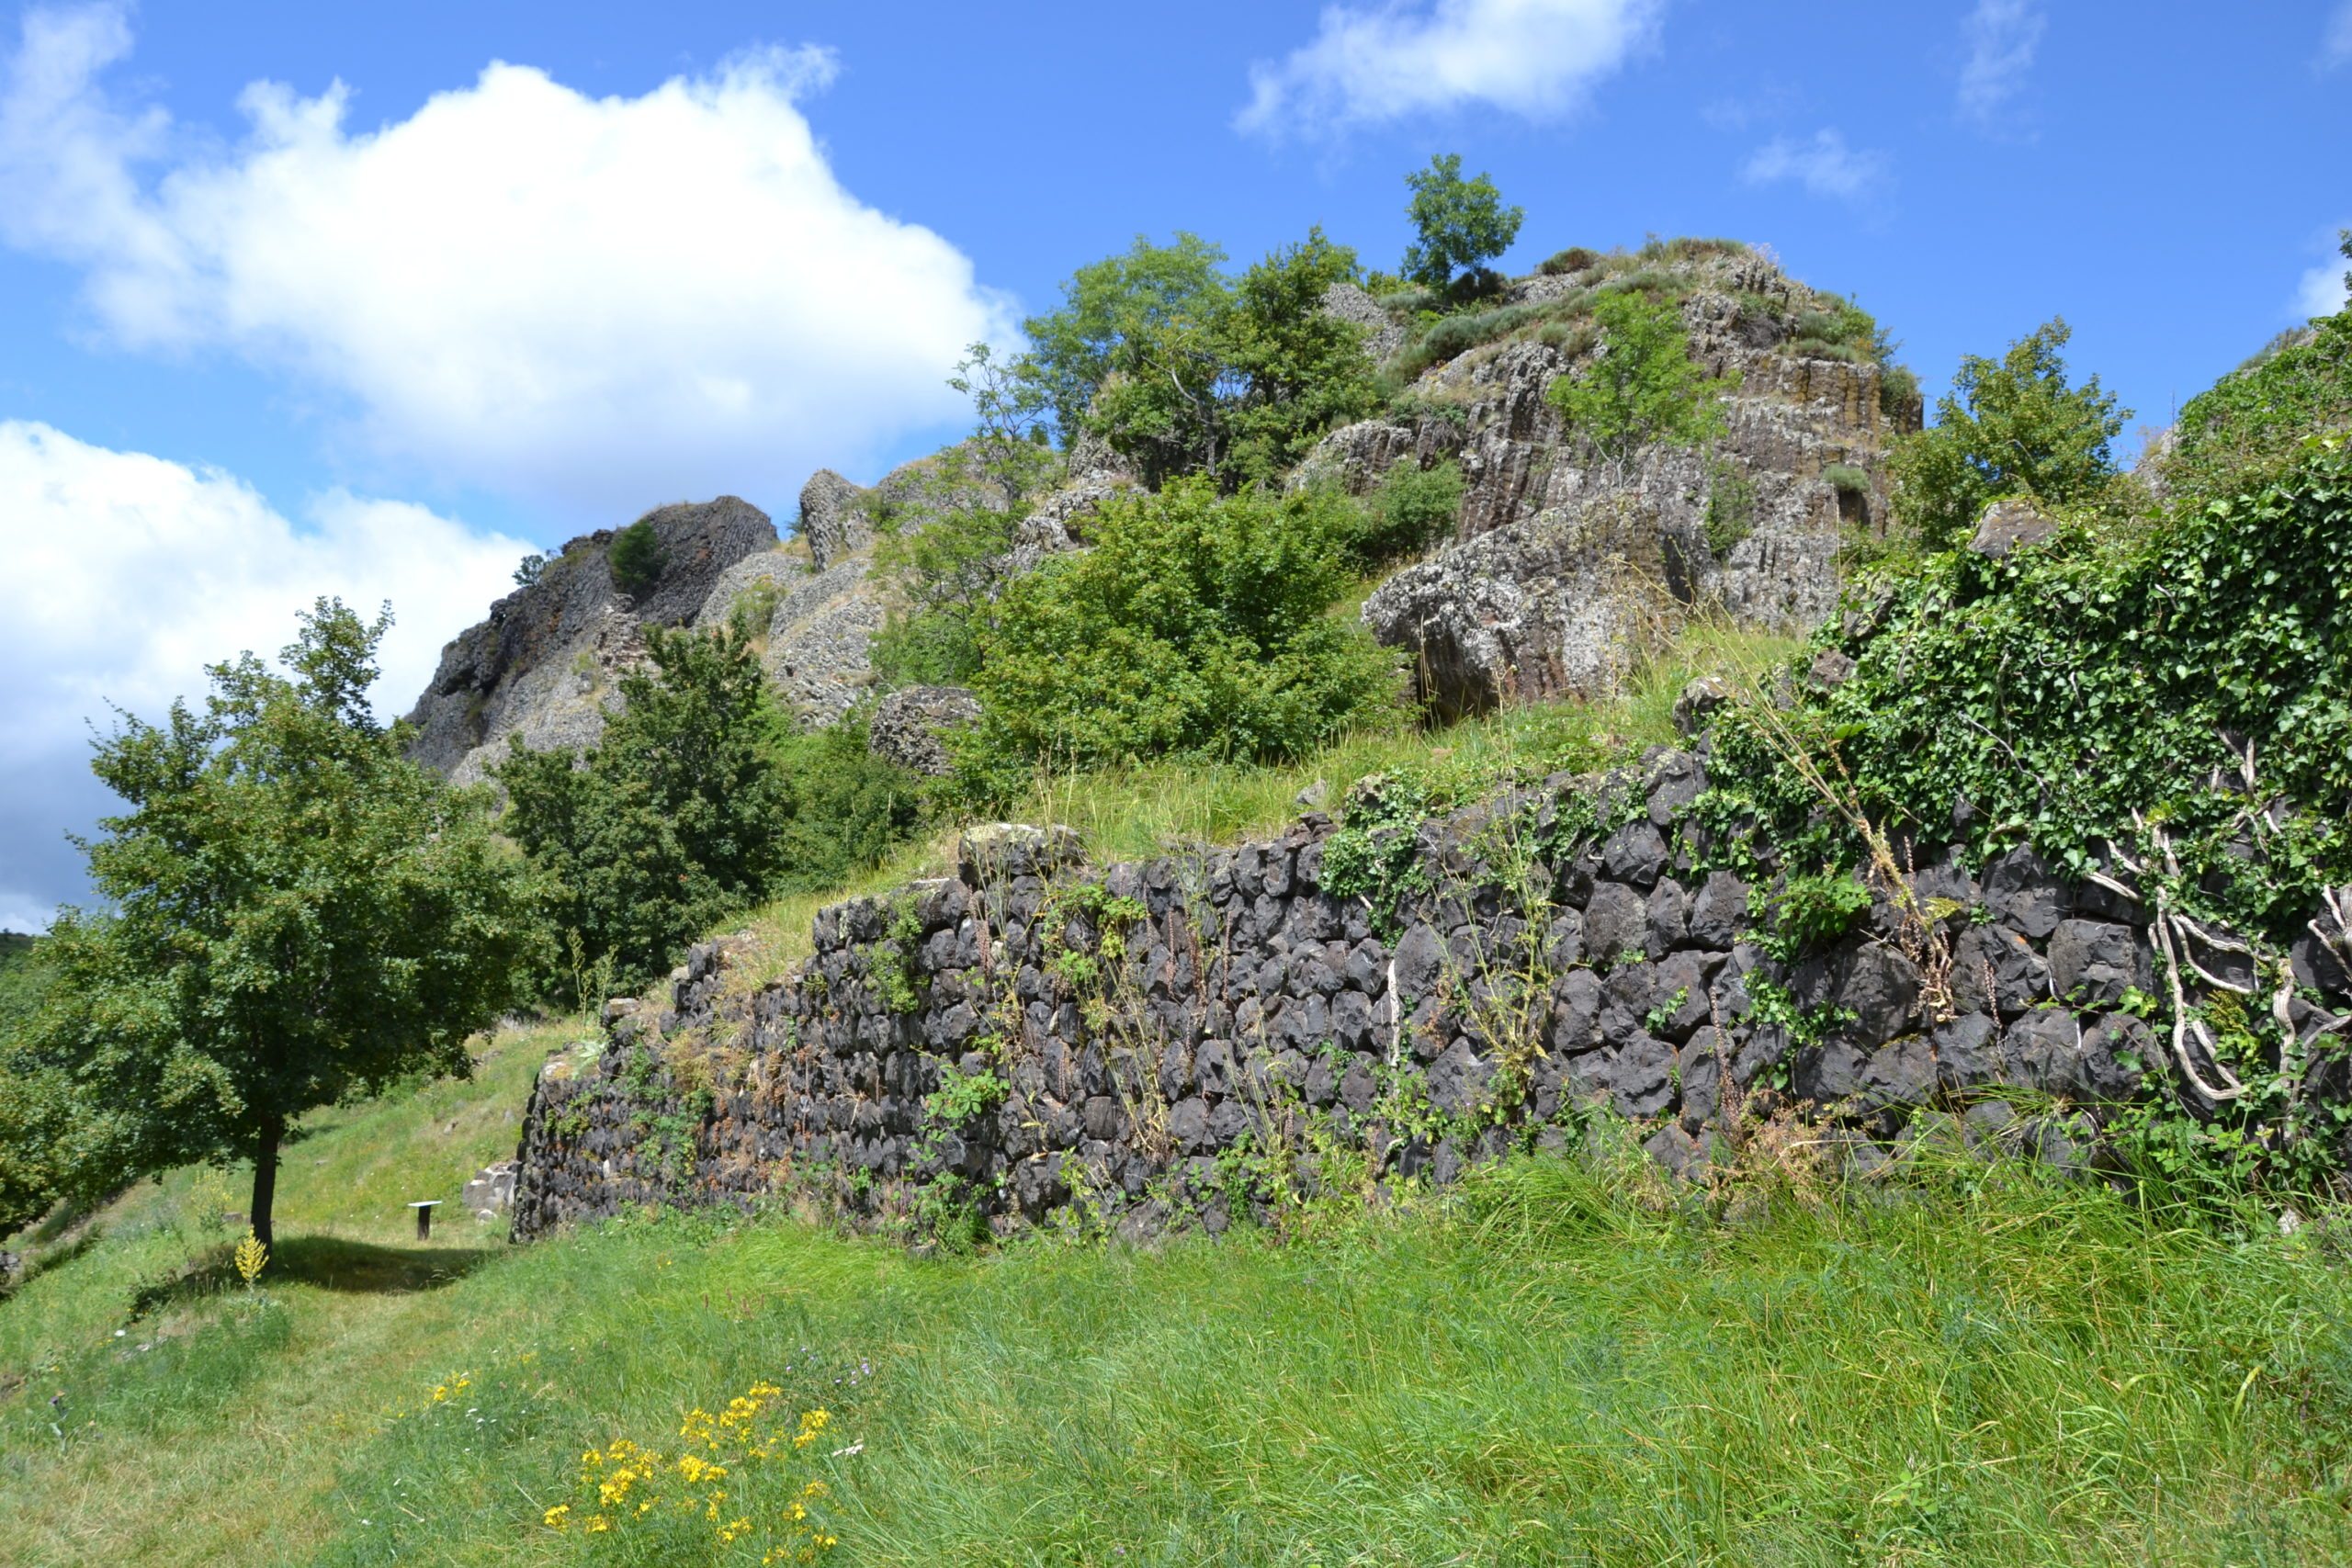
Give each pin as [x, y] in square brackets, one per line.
[1752, 523]
[543, 664]
[908, 724]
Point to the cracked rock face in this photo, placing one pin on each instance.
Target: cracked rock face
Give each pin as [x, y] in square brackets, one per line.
[543, 664]
[1563, 563]
[907, 724]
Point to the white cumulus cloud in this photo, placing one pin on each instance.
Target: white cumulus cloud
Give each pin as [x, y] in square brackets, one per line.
[1384, 61]
[1823, 163]
[129, 573]
[600, 303]
[2003, 37]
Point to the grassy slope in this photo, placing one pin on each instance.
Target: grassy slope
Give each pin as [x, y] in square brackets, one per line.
[1551, 1371]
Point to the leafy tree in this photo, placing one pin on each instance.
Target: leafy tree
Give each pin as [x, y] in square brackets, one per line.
[1131, 315]
[1301, 372]
[530, 568]
[297, 914]
[2011, 426]
[1641, 385]
[635, 556]
[674, 820]
[845, 808]
[1010, 446]
[1182, 371]
[1197, 624]
[1461, 223]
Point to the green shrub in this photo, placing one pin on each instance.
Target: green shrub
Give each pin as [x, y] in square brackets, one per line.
[1196, 626]
[635, 556]
[1846, 480]
[1576, 258]
[2009, 427]
[2254, 420]
[1414, 508]
[675, 820]
[1731, 507]
[844, 808]
[1643, 385]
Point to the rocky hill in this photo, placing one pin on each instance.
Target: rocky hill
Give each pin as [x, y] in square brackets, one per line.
[1561, 571]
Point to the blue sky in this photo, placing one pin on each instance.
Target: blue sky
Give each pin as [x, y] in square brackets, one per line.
[301, 298]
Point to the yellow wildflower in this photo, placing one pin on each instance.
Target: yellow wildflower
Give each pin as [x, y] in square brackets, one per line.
[557, 1517]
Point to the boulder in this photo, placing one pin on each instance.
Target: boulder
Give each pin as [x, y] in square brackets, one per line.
[2010, 524]
[544, 662]
[908, 724]
[833, 518]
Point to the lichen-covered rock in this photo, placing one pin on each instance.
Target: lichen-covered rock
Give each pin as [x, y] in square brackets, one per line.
[907, 724]
[1348, 302]
[543, 664]
[2012, 523]
[1589, 557]
[833, 518]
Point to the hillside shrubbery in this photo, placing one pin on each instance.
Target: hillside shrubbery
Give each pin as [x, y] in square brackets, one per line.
[2011, 426]
[1196, 624]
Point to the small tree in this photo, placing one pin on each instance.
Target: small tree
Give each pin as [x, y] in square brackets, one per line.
[1641, 385]
[2009, 426]
[674, 820]
[297, 914]
[1461, 223]
[636, 556]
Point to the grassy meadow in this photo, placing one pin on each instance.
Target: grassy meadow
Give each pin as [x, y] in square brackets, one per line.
[1559, 1361]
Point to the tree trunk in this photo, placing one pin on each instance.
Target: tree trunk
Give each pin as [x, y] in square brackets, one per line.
[273, 1132]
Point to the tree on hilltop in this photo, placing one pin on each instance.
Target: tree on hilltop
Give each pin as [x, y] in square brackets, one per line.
[296, 914]
[1462, 224]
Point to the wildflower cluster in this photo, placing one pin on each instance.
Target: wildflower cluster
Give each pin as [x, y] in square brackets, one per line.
[737, 1474]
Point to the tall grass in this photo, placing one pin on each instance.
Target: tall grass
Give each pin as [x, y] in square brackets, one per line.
[1555, 1365]
[1147, 809]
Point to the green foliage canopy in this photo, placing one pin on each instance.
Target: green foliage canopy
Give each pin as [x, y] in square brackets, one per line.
[1196, 624]
[675, 820]
[297, 914]
[635, 556]
[1641, 385]
[1460, 222]
[2011, 426]
[1182, 370]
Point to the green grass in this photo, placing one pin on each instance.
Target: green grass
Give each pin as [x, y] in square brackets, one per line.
[1146, 809]
[1558, 1363]
[1554, 1366]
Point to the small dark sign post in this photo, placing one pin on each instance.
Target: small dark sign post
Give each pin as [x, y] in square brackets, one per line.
[425, 1217]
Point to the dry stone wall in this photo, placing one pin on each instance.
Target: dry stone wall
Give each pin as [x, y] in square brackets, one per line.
[1178, 1041]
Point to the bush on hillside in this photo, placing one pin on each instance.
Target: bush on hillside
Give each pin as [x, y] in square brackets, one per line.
[1413, 509]
[2253, 422]
[635, 556]
[2011, 426]
[1198, 625]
